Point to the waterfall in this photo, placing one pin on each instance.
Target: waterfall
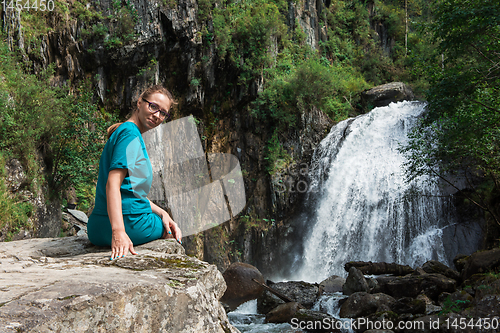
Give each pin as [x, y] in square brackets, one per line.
[360, 207]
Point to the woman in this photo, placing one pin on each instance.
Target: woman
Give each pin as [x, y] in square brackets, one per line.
[123, 216]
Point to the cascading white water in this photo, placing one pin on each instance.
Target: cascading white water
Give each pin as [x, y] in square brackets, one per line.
[362, 210]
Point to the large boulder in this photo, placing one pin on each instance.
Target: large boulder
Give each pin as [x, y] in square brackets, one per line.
[240, 285]
[68, 285]
[385, 94]
[379, 268]
[299, 291]
[481, 262]
[355, 282]
[283, 313]
[362, 304]
[332, 284]
[431, 285]
[433, 266]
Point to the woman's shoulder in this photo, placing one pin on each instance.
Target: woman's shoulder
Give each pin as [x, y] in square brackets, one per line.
[126, 129]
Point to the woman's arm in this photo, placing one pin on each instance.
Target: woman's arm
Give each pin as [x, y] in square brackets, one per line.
[120, 242]
[168, 223]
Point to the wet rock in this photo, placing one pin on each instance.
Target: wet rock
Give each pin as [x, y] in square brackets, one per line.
[355, 282]
[459, 261]
[410, 286]
[69, 285]
[379, 268]
[481, 262]
[362, 304]
[409, 305]
[283, 313]
[301, 292]
[331, 285]
[433, 266]
[486, 307]
[240, 287]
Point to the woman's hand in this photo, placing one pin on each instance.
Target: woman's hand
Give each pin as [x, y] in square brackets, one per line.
[171, 227]
[121, 244]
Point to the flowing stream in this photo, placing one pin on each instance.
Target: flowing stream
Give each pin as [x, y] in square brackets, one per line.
[364, 210]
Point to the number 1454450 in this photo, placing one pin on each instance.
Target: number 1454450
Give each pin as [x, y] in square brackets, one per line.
[36, 5]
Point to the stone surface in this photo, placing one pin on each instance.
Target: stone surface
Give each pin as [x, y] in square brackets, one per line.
[78, 214]
[433, 266]
[378, 268]
[385, 94]
[363, 304]
[299, 291]
[283, 313]
[240, 287]
[411, 285]
[331, 285]
[45, 221]
[481, 262]
[355, 282]
[68, 285]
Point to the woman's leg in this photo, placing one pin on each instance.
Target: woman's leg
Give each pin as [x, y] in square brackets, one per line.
[143, 228]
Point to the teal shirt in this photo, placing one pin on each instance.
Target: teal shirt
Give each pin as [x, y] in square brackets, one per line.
[125, 149]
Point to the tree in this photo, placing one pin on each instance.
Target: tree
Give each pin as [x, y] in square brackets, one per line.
[460, 134]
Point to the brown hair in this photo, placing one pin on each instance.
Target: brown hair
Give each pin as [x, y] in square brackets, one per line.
[145, 94]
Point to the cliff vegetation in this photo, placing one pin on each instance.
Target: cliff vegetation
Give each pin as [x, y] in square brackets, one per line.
[251, 72]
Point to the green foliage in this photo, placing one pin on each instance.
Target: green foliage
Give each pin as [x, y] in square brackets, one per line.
[461, 132]
[453, 306]
[36, 23]
[30, 110]
[292, 89]
[77, 147]
[245, 31]
[15, 212]
[41, 122]
[195, 82]
[276, 156]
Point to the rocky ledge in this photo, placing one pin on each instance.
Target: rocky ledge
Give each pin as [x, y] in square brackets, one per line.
[69, 285]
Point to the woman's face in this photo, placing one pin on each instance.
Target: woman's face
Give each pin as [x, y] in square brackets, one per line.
[144, 118]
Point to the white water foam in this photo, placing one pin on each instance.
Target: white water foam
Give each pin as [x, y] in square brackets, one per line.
[362, 209]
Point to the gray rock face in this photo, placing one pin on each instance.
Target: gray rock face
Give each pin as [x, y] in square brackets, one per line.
[68, 285]
[46, 218]
[385, 94]
[355, 282]
[331, 285]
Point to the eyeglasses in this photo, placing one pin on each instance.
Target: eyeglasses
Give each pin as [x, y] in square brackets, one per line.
[154, 108]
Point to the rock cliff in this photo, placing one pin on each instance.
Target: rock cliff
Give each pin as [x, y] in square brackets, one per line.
[123, 46]
[68, 285]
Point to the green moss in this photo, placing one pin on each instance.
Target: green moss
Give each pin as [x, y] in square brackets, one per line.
[176, 262]
[68, 297]
[175, 284]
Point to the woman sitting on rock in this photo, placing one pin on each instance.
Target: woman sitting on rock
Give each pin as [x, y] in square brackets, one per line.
[123, 216]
